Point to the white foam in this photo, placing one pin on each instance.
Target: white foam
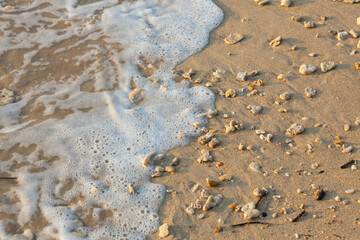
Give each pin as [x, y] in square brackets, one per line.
[101, 150]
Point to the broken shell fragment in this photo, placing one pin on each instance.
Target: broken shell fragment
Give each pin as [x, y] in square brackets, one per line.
[7, 96]
[205, 156]
[233, 38]
[262, 3]
[204, 194]
[306, 69]
[205, 138]
[353, 33]
[136, 95]
[147, 159]
[188, 75]
[169, 169]
[213, 143]
[255, 167]
[131, 189]
[327, 66]
[230, 93]
[347, 149]
[225, 177]
[295, 129]
[276, 41]
[281, 77]
[157, 174]
[210, 114]
[175, 162]
[357, 65]
[210, 203]
[190, 210]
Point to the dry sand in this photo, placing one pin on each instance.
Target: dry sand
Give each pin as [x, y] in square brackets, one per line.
[337, 103]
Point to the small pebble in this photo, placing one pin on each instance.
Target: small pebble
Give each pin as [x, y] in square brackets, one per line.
[164, 230]
[342, 35]
[327, 66]
[230, 93]
[285, 3]
[347, 127]
[310, 92]
[295, 129]
[295, 18]
[242, 76]
[353, 33]
[309, 24]
[212, 182]
[306, 69]
[285, 96]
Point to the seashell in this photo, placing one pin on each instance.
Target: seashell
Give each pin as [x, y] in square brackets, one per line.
[233, 38]
[147, 159]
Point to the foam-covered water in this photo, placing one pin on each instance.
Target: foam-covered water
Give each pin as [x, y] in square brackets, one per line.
[78, 170]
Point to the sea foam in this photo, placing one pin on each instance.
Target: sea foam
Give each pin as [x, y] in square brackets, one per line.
[77, 168]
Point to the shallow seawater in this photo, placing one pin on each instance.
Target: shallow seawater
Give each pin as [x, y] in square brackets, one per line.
[74, 140]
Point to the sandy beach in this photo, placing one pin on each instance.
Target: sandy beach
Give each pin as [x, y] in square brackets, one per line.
[335, 104]
[290, 168]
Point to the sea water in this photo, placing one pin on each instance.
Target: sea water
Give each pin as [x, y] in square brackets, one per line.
[77, 173]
